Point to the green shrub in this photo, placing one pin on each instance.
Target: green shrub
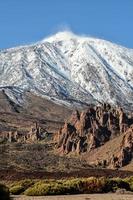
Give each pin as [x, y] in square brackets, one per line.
[17, 189]
[20, 186]
[130, 182]
[40, 190]
[116, 183]
[72, 186]
[93, 185]
[54, 188]
[4, 192]
[26, 183]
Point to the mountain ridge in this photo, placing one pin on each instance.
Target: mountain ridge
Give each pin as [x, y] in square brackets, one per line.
[70, 70]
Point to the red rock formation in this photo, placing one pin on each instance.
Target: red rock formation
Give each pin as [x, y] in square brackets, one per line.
[91, 128]
[32, 134]
[125, 154]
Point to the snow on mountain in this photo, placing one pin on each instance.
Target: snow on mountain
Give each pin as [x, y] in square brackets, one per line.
[69, 69]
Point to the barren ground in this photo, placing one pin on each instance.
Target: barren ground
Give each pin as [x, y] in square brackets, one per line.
[79, 197]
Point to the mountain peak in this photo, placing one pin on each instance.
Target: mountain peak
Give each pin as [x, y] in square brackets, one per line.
[70, 68]
[69, 36]
[62, 35]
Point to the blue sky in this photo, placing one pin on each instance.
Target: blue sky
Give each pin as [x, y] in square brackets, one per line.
[27, 21]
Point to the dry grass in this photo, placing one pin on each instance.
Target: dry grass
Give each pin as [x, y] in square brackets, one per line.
[37, 156]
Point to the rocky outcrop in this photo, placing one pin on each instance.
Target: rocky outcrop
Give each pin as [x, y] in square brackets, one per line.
[32, 134]
[125, 154]
[91, 128]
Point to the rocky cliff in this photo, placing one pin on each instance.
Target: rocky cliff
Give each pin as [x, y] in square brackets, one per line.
[125, 154]
[93, 127]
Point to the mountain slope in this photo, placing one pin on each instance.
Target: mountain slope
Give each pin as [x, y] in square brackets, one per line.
[69, 69]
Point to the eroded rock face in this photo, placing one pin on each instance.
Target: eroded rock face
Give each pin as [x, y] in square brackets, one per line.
[125, 154]
[91, 128]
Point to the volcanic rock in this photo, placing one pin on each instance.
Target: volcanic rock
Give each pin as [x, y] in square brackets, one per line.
[92, 128]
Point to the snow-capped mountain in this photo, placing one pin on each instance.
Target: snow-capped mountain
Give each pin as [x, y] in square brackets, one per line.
[69, 69]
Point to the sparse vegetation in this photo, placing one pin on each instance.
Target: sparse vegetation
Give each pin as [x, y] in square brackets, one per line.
[116, 183]
[17, 189]
[20, 186]
[130, 182]
[70, 186]
[36, 157]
